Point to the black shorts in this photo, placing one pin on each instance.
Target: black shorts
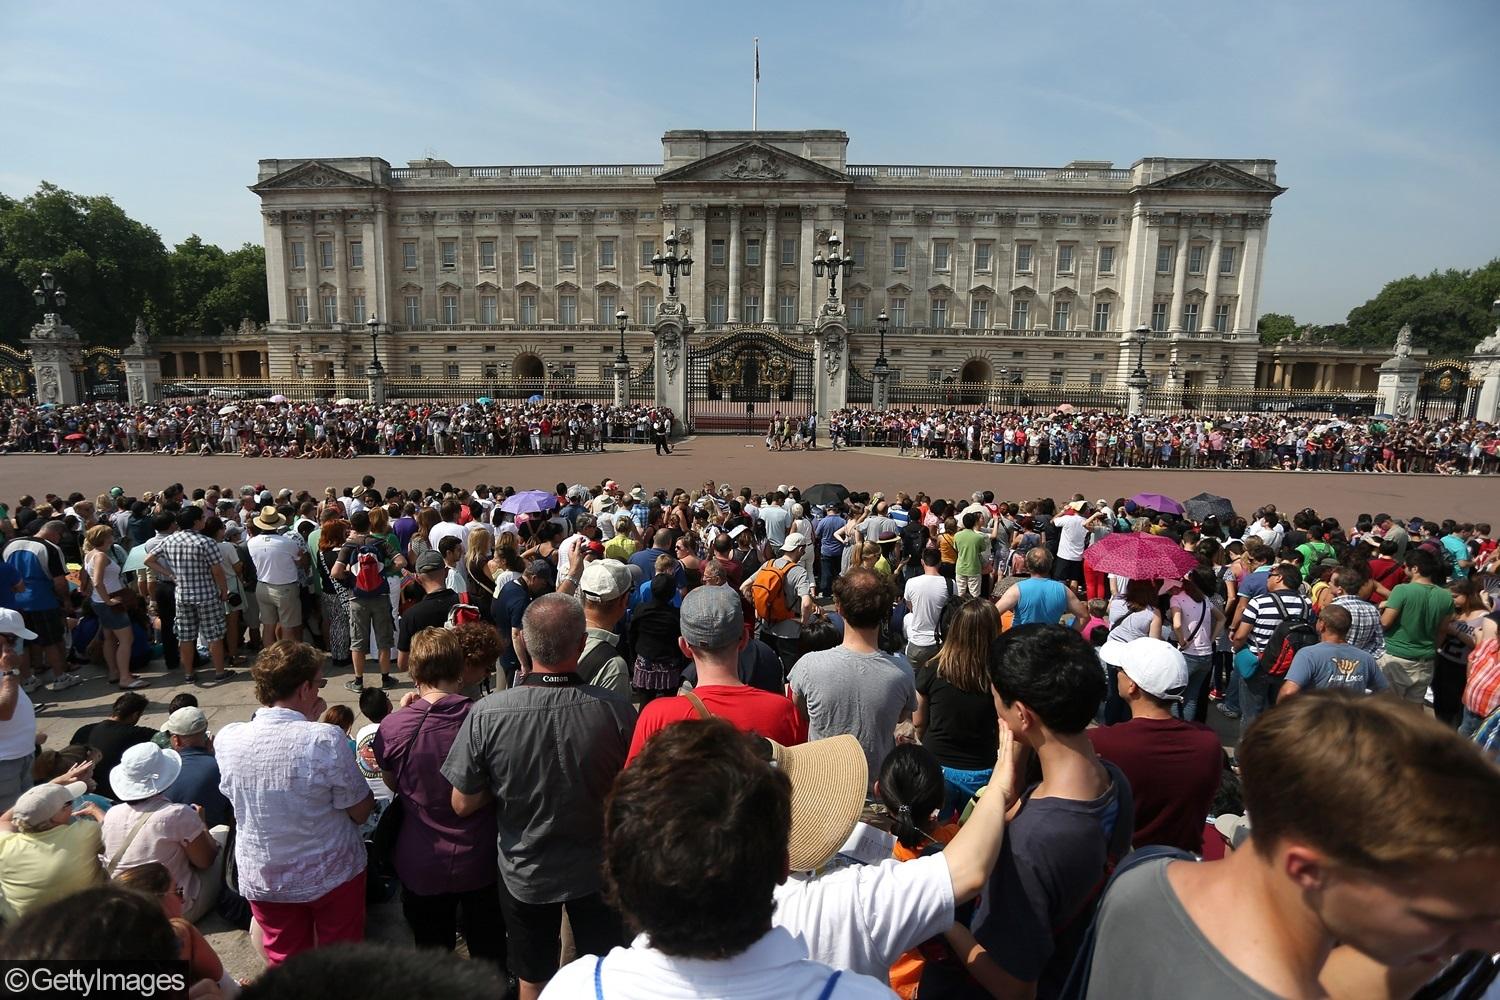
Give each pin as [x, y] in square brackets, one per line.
[533, 932]
[48, 626]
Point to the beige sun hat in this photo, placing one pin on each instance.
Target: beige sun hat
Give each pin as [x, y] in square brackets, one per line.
[829, 778]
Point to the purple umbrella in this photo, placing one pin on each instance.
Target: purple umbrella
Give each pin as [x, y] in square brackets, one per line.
[1157, 502]
[1139, 556]
[530, 502]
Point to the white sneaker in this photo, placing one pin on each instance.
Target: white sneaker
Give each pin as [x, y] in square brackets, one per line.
[31, 683]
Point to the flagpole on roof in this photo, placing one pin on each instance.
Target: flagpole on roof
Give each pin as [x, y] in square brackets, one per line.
[755, 92]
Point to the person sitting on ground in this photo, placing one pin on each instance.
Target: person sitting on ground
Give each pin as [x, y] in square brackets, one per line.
[153, 880]
[197, 783]
[1343, 887]
[114, 735]
[699, 819]
[47, 850]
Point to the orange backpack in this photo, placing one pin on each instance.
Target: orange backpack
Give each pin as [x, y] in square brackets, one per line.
[768, 593]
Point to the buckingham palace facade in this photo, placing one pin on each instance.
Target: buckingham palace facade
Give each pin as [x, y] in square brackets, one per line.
[1030, 275]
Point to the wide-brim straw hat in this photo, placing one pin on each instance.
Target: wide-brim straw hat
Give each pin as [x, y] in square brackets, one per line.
[829, 779]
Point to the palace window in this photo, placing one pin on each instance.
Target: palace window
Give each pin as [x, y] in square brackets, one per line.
[452, 371]
[357, 305]
[356, 253]
[752, 253]
[567, 254]
[1026, 219]
[606, 308]
[898, 312]
[450, 309]
[1065, 258]
[717, 253]
[1159, 317]
[1101, 316]
[299, 254]
[857, 311]
[528, 310]
[647, 250]
[1023, 258]
[448, 254]
[985, 218]
[718, 308]
[938, 312]
[788, 251]
[979, 314]
[1106, 260]
[415, 371]
[1096, 379]
[898, 254]
[413, 310]
[567, 309]
[1061, 313]
[942, 218]
[1069, 220]
[1195, 260]
[858, 250]
[487, 255]
[1190, 317]
[1109, 220]
[1055, 377]
[941, 250]
[607, 252]
[786, 309]
[325, 254]
[648, 308]
[1221, 319]
[488, 314]
[982, 254]
[1020, 314]
[1226, 260]
[526, 250]
[491, 369]
[1164, 255]
[751, 310]
[299, 306]
[409, 255]
[607, 215]
[647, 216]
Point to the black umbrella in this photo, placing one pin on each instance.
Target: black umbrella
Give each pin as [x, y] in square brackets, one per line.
[824, 494]
[1206, 505]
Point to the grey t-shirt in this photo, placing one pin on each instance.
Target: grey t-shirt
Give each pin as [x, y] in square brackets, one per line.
[860, 693]
[1336, 665]
[777, 521]
[1137, 915]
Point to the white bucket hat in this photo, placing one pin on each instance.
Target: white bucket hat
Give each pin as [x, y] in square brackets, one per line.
[145, 770]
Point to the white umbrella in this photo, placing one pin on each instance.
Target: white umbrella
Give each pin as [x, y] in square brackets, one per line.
[278, 398]
[227, 409]
[135, 560]
[346, 401]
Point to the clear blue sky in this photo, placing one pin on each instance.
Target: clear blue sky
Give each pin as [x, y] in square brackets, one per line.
[1383, 115]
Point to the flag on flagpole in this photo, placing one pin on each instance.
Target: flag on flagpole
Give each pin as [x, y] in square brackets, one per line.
[755, 91]
[757, 59]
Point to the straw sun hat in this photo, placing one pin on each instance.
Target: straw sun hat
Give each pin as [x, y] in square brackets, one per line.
[829, 778]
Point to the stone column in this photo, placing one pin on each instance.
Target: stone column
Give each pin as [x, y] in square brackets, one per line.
[468, 267]
[735, 257]
[1179, 276]
[377, 267]
[770, 262]
[507, 275]
[1400, 378]
[830, 364]
[1249, 283]
[340, 268]
[1486, 369]
[375, 381]
[622, 383]
[55, 348]
[692, 290]
[806, 285]
[276, 277]
[142, 374]
[670, 352]
[427, 268]
[1211, 282]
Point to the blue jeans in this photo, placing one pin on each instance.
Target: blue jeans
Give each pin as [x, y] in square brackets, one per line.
[1198, 668]
[961, 786]
[828, 571]
[1254, 697]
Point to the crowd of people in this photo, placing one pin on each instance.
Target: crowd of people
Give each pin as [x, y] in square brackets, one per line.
[1108, 438]
[281, 428]
[753, 745]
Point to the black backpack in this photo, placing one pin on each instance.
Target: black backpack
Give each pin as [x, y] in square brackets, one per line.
[1290, 635]
[950, 609]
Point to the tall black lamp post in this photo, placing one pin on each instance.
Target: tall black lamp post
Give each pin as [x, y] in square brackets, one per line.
[621, 319]
[373, 323]
[882, 369]
[832, 265]
[49, 296]
[671, 262]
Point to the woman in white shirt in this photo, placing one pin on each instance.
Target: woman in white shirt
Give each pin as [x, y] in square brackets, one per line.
[1195, 622]
[108, 599]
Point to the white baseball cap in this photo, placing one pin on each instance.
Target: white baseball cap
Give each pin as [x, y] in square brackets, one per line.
[11, 623]
[795, 540]
[1155, 666]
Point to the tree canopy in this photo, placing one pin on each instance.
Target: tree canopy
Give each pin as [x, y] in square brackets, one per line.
[114, 269]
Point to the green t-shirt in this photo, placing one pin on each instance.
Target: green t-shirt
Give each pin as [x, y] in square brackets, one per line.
[1423, 607]
[970, 546]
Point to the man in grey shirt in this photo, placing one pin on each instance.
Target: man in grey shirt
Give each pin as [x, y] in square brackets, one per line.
[776, 518]
[855, 687]
[543, 755]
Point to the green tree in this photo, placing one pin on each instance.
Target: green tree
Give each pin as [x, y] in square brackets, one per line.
[1448, 311]
[1275, 326]
[111, 266]
[209, 289]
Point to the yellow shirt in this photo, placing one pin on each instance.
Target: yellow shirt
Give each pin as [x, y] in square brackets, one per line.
[37, 868]
[620, 547]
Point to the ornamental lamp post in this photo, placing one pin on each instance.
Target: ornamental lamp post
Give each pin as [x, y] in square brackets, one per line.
[882, 369]
[671, 262]
[621, 319]
[49, 296]
[622, 364]
[374, 324]
[831, 265]
[1139, 381]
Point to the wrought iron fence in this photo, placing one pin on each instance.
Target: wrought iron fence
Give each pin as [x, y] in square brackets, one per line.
[451, 391]
[1334, 403]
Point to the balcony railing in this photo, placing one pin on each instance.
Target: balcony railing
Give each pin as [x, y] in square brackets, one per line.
[1064, 175]
[526, 172]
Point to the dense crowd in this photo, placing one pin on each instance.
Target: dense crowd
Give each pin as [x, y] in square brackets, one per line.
[792, 743]
[1107, 438]
[281, 428]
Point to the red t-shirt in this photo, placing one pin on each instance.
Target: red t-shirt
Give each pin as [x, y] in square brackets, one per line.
[749, 708]
[1173, 768]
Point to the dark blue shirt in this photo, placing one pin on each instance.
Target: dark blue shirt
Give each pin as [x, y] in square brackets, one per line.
[198, 785]
[8, 580]
[506, 612]
[646, 560]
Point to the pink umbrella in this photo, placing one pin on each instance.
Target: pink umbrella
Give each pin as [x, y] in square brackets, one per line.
[1140, 556]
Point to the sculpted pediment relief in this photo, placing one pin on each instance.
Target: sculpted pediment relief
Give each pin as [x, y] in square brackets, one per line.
[754, 163]
[1214, 176]
[312, 175]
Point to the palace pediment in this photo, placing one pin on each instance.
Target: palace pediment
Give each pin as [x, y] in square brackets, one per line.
[1214, 176]
[313, 175]
[753, 163]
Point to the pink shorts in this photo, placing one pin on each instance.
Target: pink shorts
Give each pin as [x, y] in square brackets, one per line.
[292, 928]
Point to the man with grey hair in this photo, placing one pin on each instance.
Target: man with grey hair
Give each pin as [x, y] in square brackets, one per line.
[544, 755]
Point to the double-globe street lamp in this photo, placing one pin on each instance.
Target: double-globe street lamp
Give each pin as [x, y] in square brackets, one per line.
[49, 295]
[832, 265]
[671, 262]
[882, 369]
[374, 325]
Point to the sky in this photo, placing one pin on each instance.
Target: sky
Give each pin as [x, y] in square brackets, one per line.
[1382, 115]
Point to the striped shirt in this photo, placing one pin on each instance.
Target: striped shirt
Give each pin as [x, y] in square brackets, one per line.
[1263, 615]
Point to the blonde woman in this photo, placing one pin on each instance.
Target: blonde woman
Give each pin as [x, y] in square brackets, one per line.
[478, 554]
[955, 716]
[108, 597]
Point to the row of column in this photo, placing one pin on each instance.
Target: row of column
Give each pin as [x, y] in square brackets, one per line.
[695, 293]
[229, 363]
[1281, 375]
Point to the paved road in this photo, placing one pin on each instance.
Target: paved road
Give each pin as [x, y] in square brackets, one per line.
[744, 461]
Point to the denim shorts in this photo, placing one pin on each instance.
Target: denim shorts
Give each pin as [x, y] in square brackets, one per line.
[961, 786]
[110, 617]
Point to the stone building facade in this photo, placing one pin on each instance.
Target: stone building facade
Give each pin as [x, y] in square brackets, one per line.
[1026, 274]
